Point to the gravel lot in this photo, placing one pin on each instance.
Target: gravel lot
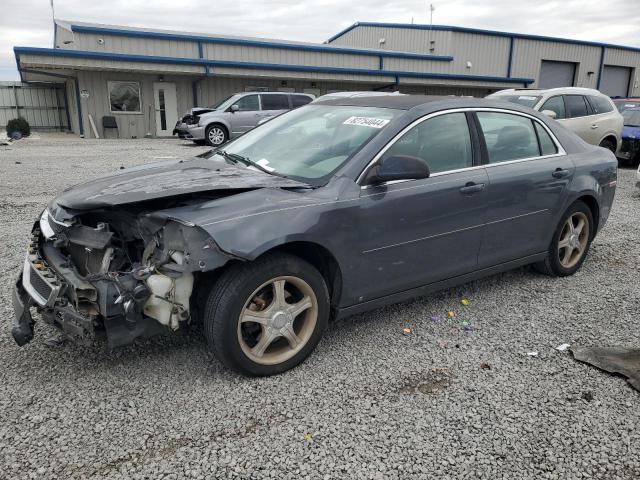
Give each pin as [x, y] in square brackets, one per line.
[369, 403]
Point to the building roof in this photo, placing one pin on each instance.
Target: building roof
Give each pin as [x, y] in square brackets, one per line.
[479, 31]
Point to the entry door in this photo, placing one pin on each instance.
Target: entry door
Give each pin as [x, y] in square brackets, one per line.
[421, 231]
[166, 106]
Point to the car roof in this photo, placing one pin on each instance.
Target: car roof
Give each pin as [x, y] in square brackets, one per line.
[429, 102]
[549, 91]
[272, 93]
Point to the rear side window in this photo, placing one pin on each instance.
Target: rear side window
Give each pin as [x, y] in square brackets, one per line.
[300, 100]
[555, 104]
[249, 103]
[443, 142]
[275, 102]
[547, 147]
[600, 104]
[508, 137]
[576, 106]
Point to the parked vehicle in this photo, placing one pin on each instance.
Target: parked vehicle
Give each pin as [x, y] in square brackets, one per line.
[354, 94]
[587, 112]
[240, 113]
[623, 103]
[630, 136]
[329, 210]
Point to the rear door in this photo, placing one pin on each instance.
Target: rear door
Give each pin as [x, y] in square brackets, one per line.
[247, 116]
[274, 104]
[580, 120]
[421, 231]
[529, 174]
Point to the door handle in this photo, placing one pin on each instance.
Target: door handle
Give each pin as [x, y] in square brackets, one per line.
[560, 173]
[594, 126]
[471, 187]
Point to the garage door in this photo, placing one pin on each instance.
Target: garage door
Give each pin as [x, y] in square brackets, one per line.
[556, 74]
[615, 81]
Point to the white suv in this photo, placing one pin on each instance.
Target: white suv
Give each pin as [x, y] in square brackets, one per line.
[588, 113]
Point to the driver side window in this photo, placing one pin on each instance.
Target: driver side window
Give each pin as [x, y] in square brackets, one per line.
[249, 103]
[442, 142]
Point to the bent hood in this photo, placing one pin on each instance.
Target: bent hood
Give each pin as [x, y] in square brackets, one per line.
[166, 179]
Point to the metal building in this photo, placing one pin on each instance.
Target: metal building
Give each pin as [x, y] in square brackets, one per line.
[146, 78]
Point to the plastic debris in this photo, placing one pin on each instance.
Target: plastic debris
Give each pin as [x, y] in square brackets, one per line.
[407, 332]
[532, 354]
[451, 313]
[563, 347]
[308, 437]
[464, 323]
[464, 302]
[485, 366]
[436, 318]
[468, 328]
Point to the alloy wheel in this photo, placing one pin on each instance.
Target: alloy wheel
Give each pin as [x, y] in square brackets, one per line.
[574, 239]
[277, 320]
[216, 136]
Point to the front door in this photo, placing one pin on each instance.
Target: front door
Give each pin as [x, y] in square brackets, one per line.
[421, 231]
[246, 116]
[166, 107]
[528, 180]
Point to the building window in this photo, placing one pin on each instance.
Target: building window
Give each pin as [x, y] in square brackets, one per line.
[124, 97]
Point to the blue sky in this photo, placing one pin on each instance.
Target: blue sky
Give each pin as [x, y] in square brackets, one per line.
[28, 22]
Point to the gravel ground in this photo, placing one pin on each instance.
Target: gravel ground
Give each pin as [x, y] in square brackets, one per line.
[369, 403]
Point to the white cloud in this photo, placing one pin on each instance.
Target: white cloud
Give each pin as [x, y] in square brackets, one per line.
[28, 22]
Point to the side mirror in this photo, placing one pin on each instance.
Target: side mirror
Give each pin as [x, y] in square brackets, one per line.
[550, 114]
[398, 167]
[234, 108]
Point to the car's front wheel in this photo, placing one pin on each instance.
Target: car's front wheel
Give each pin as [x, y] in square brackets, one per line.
[215, 135]
[608, 144]
[570, 243]
[265, 317]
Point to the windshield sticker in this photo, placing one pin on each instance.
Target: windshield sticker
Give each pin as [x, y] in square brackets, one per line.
[366, 122]
[264, 163]
[525, 97]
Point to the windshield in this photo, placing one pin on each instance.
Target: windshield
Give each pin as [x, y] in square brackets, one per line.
[311, 142]
[217, 106]
[631, 118]
[525, 100]
[622, 106]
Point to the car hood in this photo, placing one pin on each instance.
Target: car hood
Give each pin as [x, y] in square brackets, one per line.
[164, 180]
[629, 131]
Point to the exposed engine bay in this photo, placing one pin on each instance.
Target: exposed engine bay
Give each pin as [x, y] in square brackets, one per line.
[122, 272]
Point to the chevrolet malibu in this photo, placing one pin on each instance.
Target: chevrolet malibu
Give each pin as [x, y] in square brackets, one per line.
[332, 209]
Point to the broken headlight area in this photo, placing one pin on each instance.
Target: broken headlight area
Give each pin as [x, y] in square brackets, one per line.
[120, 275]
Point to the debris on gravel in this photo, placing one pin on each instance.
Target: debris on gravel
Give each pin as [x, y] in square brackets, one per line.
[369, 403]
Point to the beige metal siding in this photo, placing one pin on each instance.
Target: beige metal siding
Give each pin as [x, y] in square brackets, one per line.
[129, 124]
[528, 56]
[42, 105]
[136, 45]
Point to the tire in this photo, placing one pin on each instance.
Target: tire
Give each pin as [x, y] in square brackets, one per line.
[247, 292]
[216, 135]
[558, 263]
[608, 144]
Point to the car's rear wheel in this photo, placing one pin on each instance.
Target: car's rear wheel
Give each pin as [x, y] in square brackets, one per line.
[608, 144]
[570, 243]
[216, 135]
[265, 317]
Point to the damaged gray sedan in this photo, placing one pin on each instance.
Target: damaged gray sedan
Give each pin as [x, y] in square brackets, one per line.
[332, 209]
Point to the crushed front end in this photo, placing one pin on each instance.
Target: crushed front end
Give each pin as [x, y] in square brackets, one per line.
[111, 274]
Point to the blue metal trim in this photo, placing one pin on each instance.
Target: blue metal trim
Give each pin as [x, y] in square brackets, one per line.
[495, 33]
[509, 65]
[601, 67]
[257, 43]
[259, 66]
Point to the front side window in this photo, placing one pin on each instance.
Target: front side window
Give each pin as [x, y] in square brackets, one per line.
[576, 106]
[508, 136]
[600, 104]
[275, 102]
[442, 142]
[311, 142]
[556, 105]
[124, 97]
[250, 103]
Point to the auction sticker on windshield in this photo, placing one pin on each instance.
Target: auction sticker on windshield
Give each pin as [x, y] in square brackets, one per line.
[366, 122]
